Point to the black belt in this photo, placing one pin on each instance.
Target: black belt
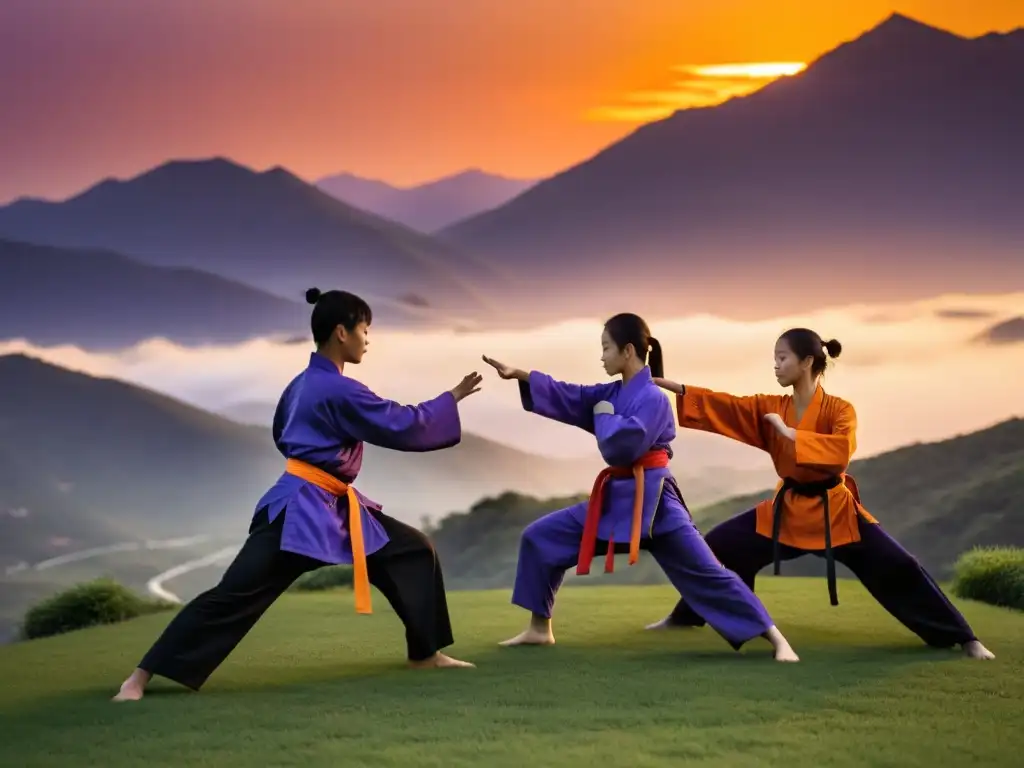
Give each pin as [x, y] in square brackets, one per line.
[820, 490]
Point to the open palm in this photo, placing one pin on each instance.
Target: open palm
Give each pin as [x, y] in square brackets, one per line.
[504, 371]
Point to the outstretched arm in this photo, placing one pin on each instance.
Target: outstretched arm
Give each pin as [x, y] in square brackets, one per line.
[738, 418]
[571, 404]
[429, 426]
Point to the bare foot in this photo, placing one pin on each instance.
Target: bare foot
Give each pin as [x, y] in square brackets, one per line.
[975, 650]
[134, 687]
[783, 650]
[786, 654]
[440, 661]
[531, 637]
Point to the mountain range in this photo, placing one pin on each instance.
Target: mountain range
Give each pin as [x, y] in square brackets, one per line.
[889, 168]
[426, 207]
[89, 457]
[102, 300]
[898, 152]
[268, 229]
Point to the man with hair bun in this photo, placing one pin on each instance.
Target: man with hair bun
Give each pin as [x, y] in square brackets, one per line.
[313, 516]
[811, 437]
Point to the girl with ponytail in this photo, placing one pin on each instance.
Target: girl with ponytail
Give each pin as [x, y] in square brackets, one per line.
[635, 503]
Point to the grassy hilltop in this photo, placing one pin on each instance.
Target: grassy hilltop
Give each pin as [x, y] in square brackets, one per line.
[314, 685]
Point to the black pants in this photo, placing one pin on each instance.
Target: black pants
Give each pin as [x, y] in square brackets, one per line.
[406, 570]
[892, 575]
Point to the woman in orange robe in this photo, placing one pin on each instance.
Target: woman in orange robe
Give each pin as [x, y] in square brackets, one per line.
[811, 437]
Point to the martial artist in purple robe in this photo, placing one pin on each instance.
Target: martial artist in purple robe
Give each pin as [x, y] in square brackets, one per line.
[633, 423]
[321, 423]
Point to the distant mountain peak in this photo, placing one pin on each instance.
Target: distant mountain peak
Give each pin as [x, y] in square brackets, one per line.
[20, 359]
[214, 170]
[898, 42]
[468, 174]
[221, 166]
[430, 205]
[899, 23]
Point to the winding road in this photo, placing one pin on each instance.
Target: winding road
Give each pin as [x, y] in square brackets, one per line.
[155, 586]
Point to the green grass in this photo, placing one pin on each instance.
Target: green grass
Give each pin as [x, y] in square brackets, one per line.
[314, 685]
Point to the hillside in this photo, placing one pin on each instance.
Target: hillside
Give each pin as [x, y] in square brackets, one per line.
[89, 462]
[270, 230]
[851, 160]
[315, 684]
[149, 464]
[426, 207]
[938, 499]
[117, 301]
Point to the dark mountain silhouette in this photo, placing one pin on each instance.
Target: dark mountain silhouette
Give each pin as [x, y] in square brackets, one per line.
[938, 499]
[899, 151]
[427, 207]
[270, 230]
[100, 299]
[90, 459]
[1007, 332]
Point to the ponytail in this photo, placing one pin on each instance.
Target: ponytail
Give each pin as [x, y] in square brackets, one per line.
[655, 359]
[628, 329]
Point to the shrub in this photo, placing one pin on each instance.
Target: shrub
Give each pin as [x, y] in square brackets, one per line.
[328, 577]
[993, 575]
[102, 601]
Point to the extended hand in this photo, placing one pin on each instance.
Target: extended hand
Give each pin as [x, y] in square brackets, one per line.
[504, 371]
[467, 386]
[671, 386]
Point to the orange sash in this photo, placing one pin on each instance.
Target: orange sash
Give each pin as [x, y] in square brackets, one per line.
[336, 487]
[650, 460]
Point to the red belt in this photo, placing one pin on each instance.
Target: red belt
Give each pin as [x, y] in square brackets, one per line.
[657, 459]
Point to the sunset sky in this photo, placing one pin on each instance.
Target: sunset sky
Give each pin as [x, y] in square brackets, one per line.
[392, 89]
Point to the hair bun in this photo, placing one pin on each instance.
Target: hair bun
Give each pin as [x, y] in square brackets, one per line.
[833, 347]
[313, 295]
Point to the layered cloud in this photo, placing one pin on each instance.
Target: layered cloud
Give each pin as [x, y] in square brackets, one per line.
[914, 371]
[695, 86]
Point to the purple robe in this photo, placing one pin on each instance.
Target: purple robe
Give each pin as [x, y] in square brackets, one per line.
[643, 420]
[323, 418]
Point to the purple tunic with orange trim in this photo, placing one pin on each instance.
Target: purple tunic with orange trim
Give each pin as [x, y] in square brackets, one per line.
[323, 418]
